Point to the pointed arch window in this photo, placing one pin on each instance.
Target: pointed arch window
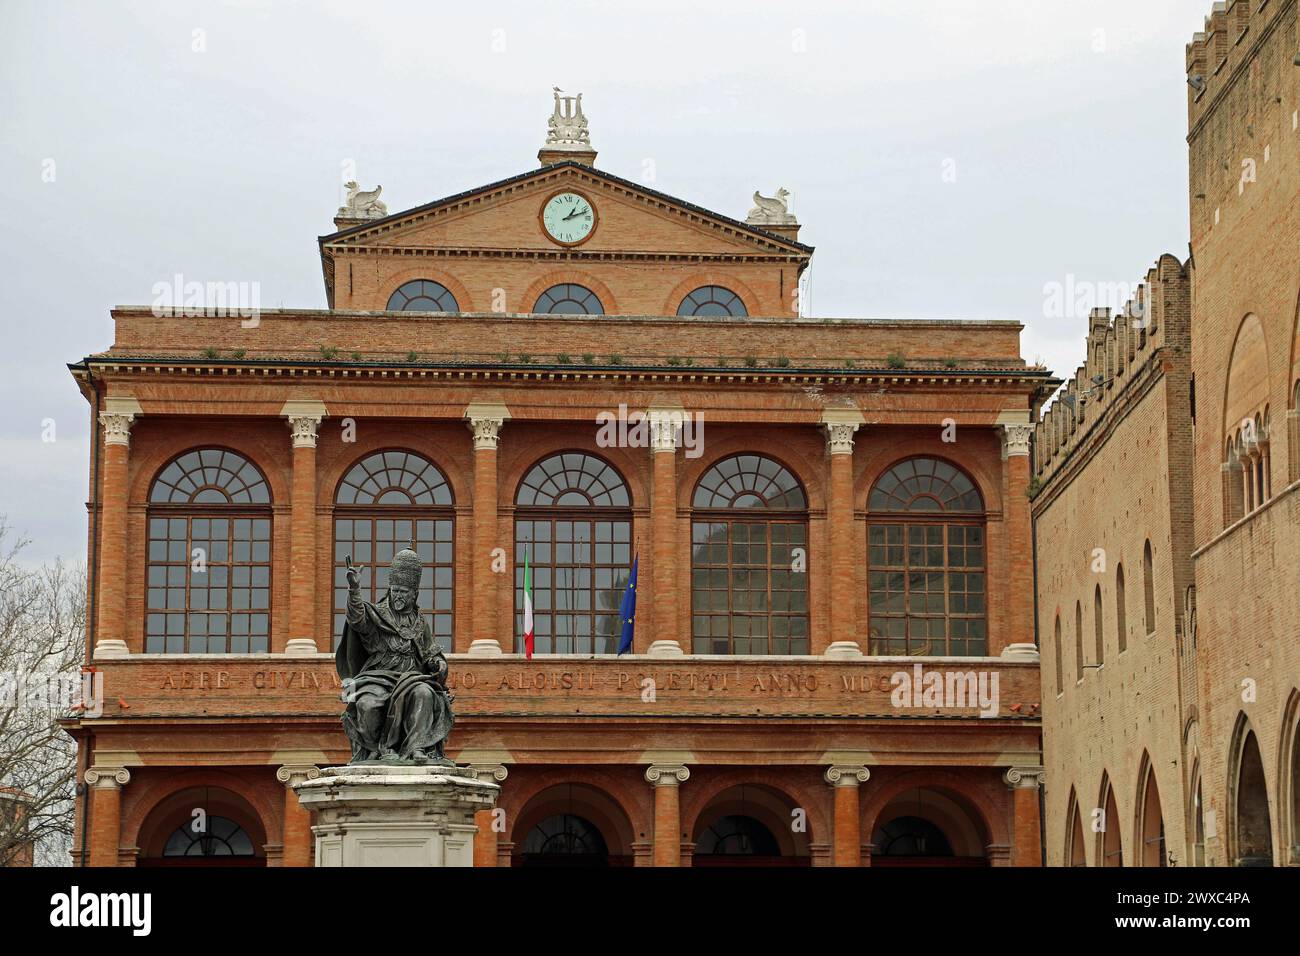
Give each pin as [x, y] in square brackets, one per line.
[1148, 590]
[749, 559]
[208, 565]
[387, 501]
[573, 521]
[1098, 627]
[926, 561]
[1121, 612]
[1060, 667]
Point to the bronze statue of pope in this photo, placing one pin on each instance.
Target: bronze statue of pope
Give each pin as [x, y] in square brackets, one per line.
[394, 674]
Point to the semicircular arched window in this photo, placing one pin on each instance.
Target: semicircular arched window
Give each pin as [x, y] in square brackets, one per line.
[749, 555]
[926, 562]
[221, 837]
[422, 295]
[208, 565]
[388, 501]
[568, 298]
[712, 300]
[737, 836]
[573, 524]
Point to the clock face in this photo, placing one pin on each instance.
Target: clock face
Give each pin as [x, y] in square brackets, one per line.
[568, 218]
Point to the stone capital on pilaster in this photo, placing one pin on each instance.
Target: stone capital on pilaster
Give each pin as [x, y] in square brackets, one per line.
[497, 772]
[1024, 778]
[839, 776]
[665, 428]
[1014, 432]
[667, 775]
[107, 777]
[485, 420]
[116, 416]
[840, 424]
[291, 774]
[304, 419]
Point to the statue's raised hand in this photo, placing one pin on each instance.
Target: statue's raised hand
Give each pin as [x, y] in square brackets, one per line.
[354, 575]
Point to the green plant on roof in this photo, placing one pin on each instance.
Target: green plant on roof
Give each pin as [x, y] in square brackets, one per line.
[563, 359]
[411, 356]
[328, 352]
[674, 360]
[588, 358]
[781, 362]
[896, 360]
[210, 353]
[238, 353]
[751, 361]
[616, 359]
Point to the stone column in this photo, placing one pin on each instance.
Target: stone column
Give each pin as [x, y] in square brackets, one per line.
[668, 823]
[847, 847]
[106, 785]
[665, 426]
[486, 848]
[1018, 537]
[486, 421]
[111, 577]
[1027, 847]
[296, 840]
[843, 568]
[304, 419]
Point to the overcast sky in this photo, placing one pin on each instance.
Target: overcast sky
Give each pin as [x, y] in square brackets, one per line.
[947, 159]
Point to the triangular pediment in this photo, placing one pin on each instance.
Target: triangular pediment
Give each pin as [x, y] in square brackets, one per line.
[631, 219]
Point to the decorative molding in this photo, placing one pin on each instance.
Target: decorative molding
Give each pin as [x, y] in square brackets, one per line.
[838, 776]
[497, 772]
[108, 777]
[110, 647]
[1025, 778]
[304, 419]
[667, 775]
[567, 126]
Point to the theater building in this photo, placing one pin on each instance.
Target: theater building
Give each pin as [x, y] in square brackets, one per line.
[818, 505]
[1168, 482]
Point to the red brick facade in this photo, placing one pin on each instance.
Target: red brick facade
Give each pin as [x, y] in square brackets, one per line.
[658, 752]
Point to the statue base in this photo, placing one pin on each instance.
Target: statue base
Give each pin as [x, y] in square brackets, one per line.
[396, 815]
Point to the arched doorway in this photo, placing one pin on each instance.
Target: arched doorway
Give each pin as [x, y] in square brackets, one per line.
[929, 827]
[1074, 842]
[751, 825]
[572, 824]
[1150, 849]
[1110, 846]
[203, 826]
[1252, 829]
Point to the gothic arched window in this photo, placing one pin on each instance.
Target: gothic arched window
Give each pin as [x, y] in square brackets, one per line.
[422, 295]
[208, 569]
[749, 559]
[712, 300]
[926, 562]
[388, 501]
[573, 522]
[569, 299]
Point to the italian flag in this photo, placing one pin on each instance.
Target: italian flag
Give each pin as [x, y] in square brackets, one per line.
[528, 609]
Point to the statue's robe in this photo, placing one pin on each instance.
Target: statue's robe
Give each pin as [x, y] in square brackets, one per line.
[394, 680]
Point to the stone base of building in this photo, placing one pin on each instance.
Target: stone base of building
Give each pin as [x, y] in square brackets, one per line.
[377, 815]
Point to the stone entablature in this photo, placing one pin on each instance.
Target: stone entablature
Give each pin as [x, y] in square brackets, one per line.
[218, 685]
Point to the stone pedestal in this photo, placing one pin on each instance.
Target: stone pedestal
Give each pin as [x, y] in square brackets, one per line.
[396, 815]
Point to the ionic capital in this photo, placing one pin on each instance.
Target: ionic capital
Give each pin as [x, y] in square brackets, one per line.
[838, 776]
[1024, 778]
[291, 774]
[108, 778]
[667, 775]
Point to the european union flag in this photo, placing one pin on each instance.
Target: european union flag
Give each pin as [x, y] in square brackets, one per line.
[627, 611]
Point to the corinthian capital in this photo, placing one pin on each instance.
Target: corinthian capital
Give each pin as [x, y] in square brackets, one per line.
[304, 419]
[665, 426]
[485, 421]
[1015, 440]
[839, 438]
[116, 418]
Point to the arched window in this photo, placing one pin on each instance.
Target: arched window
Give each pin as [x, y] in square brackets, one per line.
[1078, 641]
[565, 839]
[1074, 847]
[388, 501]
[1150, 849]
[1148, 590]
[737, 836]
[573, 522]
[1121, 615]
[1098, 632]
[219, 837]
[1252, 829]
[422, 295]
[749, 559]
[569, 299]
[209, 557]
[1060, 667]
[925, 556]
[712, 300]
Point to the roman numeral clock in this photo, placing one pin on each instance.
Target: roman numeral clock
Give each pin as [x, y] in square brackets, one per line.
[569, 218]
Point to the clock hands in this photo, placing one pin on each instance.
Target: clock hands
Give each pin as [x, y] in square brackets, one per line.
[575, 212]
